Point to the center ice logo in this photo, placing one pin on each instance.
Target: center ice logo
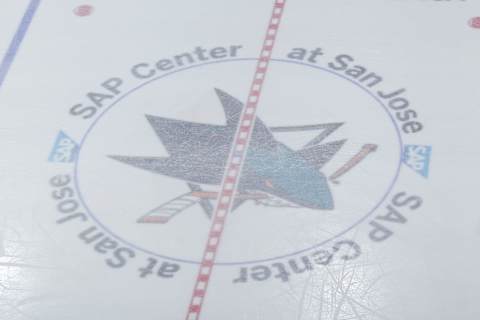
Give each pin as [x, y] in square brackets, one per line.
[273, 174]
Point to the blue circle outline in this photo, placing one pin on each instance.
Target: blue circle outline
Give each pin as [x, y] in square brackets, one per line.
[134, 89]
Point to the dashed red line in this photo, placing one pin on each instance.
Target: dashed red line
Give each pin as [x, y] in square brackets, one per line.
[475, 22]
[234, 165]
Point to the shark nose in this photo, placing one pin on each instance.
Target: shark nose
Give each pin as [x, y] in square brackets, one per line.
[322, 200]
[325, 203]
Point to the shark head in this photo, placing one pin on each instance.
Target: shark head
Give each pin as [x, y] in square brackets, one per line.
[285, 174]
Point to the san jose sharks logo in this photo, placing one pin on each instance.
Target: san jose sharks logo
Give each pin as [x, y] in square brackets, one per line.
[273, 173]
[322, 156]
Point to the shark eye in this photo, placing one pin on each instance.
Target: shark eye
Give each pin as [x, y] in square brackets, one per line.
[269, 184]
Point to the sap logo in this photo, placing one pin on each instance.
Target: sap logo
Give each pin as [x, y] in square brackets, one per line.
[418, 158]
[64, 150]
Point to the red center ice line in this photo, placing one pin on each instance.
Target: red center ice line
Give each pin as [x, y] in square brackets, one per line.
[234, 165]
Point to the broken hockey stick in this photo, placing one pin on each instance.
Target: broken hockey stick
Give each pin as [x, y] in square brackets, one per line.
[355, 160]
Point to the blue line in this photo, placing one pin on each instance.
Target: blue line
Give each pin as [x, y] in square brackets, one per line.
[22, 29]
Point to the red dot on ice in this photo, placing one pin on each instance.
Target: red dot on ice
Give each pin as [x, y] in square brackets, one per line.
[475, 22]
[83, 10]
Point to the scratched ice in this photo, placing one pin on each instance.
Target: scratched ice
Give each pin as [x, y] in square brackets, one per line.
[340, 291]
[115, 160]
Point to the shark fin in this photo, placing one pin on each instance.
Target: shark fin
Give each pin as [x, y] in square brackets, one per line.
[320, 154]
[147, 163]
[231, 106]
[179, 168]
[233, 109]
[328, 128]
